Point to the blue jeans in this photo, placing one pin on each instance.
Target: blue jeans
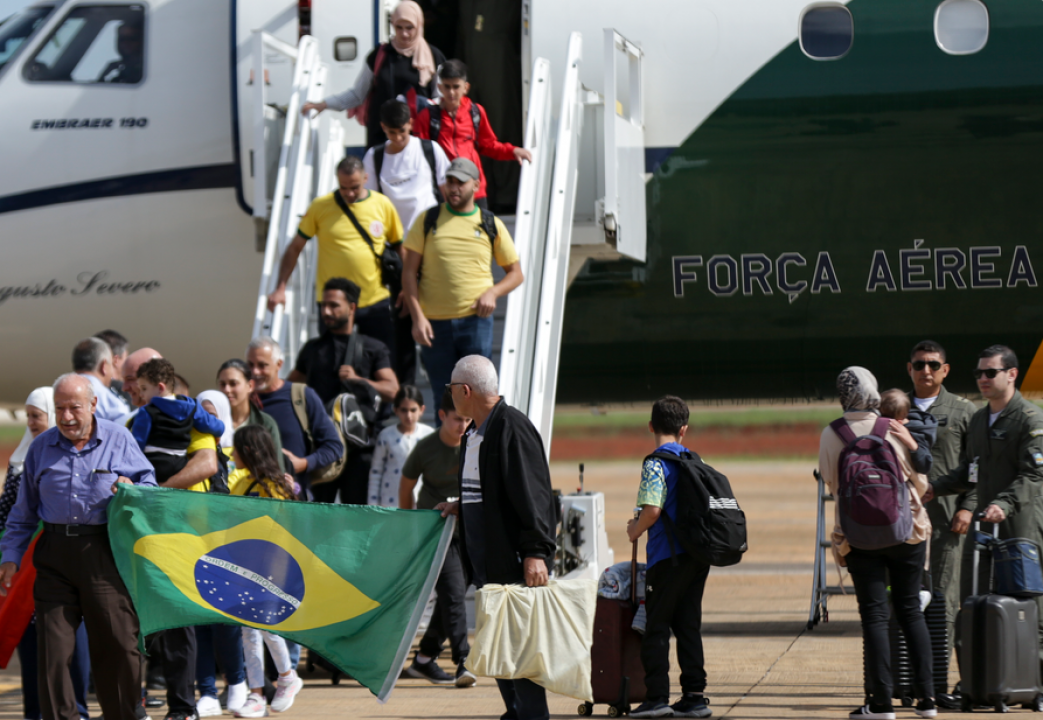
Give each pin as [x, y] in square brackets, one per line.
[455, 339]
[227, 642]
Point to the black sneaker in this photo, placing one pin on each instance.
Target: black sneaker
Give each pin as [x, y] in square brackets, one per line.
[692, 705]
[154, 702]
[948, 701]
[182, 715]
[873, 712]
[429, 671]
[464, 677]
[653, 709]
[926, 708]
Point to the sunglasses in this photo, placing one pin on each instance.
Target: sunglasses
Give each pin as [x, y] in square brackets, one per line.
[990, 373]
[919, 365]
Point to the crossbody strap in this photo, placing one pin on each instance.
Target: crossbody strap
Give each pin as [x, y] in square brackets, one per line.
[355, 221]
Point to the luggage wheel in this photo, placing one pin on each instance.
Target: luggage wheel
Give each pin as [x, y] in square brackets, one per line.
[1001, 707]
[907, 701]
[615, 711]
[335, 678]
[585, 709]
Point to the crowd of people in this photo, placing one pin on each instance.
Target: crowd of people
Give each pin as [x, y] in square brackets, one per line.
[255, 434]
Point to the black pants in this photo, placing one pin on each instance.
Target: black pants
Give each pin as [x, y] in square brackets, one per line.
[177, 654]
[380, 321]
[450, 616]
[353, 482]
[674, 601]
[524, 699]
[28, 658]
[77, 581]
[871, 571]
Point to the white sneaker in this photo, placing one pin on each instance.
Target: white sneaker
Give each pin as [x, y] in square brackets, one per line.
[208, 706]
[237, 696]
[285, 691]
[254, 707]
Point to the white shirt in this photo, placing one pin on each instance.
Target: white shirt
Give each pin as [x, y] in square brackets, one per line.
[924, 403]
[385, 473]
[405, 178]
[110, 405]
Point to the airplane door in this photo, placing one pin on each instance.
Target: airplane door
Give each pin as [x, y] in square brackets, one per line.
[347, 31]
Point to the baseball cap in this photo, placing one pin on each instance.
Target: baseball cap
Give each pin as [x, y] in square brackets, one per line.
[462, 169]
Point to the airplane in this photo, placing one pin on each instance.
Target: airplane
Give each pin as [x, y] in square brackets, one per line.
[824, 183]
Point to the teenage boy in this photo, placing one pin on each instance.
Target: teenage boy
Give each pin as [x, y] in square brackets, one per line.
[452, 303]
[411, 173]
[437, 458]
[674, 581]
[461, 127]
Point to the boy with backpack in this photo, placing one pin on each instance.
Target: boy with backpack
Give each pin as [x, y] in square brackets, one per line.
[675, 578]
[461, 127]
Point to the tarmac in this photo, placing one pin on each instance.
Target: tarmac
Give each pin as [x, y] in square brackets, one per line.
[761, 660]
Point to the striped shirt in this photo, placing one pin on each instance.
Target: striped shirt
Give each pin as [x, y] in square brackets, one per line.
[471, 485]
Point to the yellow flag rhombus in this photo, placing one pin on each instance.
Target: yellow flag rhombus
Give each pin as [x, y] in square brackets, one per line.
[256, 574]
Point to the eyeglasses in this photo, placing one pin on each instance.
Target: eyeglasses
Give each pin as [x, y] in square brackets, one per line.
[450, 385]
[990, 373]
[919, 365]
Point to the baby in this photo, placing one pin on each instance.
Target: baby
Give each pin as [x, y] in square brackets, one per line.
[922, 426]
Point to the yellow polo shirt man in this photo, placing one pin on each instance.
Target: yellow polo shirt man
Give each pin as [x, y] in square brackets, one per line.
[453, 304]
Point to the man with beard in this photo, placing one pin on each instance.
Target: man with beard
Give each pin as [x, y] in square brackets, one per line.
[341, 360]
[453, 303]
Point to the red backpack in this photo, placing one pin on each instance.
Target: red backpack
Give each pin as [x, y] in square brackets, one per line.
[871, 493]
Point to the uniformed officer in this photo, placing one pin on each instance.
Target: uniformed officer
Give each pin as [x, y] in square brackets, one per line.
[950, 515]
[1003, 463]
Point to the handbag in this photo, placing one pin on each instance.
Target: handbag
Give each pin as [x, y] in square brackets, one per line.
[390, 262]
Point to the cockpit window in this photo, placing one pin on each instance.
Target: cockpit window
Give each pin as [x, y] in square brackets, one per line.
[18, 28]
[94, 44]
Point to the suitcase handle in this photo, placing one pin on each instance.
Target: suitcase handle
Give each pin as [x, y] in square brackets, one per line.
[977, 554]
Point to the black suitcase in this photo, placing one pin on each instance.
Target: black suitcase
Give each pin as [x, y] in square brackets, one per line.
[617, 675]
[901, 666]
[999, 653]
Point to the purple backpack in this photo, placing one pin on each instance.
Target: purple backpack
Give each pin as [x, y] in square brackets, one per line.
[871, 494]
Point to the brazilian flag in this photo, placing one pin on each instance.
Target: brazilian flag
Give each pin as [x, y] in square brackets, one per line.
[348, 581]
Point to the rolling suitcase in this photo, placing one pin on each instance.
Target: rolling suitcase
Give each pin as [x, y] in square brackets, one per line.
[617, 675]
[999, 656]
[901, 666]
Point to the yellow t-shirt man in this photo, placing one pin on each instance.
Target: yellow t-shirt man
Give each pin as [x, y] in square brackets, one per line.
[342, 250]
[457, 264]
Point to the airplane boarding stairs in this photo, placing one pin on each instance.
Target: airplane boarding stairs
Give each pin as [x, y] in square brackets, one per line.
[530, 331]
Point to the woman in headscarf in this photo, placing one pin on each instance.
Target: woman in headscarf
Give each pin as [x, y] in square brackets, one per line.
[898, 568]
[403, 67]
[39, 416]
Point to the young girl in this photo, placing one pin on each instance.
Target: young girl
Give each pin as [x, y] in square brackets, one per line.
[394, 444]
[258, 473]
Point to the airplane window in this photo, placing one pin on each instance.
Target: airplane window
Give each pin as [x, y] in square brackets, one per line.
[961, 27]
[826, 32]
[93, 44]
[18, 28]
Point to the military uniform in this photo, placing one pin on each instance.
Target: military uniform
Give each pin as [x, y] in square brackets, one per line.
[954, 415]
[1004, 465]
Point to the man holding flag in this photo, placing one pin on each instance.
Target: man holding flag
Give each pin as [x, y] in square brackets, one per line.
[71, 472]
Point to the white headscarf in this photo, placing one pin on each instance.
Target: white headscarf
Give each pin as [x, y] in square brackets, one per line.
[42, 398]
[224, 412]
[858, 391]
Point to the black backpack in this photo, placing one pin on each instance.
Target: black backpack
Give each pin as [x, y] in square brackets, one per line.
[488, 223]
[219, 481]
[429, 155]
[434, 113]
[710, 525]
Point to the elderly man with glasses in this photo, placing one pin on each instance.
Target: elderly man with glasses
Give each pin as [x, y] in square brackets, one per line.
[950, 515]
[1002, 464]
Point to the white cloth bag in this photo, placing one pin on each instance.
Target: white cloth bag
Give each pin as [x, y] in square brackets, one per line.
[541, 634]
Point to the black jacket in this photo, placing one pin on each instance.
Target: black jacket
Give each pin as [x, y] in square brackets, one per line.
[520, 514]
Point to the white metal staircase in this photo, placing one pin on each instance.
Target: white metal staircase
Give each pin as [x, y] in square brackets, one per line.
[543, 234]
